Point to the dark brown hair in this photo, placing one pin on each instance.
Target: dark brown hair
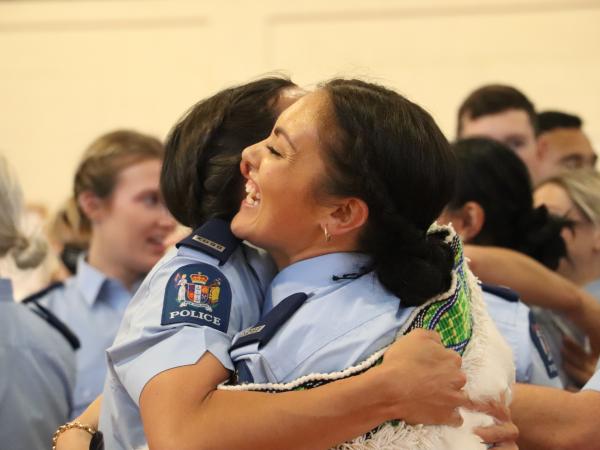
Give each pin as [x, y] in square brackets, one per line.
[201, 176]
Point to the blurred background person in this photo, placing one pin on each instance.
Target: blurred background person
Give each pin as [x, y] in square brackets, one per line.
[38, 363]
[505, 114]
[562, 144]
[492, 205]
[575, 195]
[116, 190]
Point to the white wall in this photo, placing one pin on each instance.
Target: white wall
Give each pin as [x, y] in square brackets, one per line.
[70, 70]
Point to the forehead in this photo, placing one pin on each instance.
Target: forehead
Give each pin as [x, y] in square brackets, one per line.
[497, 126]
[554, 197]
[569, 140]
[287, 97]
[143, 174]
[304, 118]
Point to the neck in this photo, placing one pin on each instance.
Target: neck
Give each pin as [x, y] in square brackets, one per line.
[338, 244]
[100, 258]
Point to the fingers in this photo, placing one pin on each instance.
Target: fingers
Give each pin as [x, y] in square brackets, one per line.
[504, 433]
[426, 334]
[496, 409]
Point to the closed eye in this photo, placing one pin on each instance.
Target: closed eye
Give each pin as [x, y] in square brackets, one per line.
[273, 151]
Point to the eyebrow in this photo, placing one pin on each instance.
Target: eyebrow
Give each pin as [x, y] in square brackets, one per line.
[278, 131]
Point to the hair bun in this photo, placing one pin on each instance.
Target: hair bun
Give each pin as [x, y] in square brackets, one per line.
[538, 235]
[29, 253]
[410, 263]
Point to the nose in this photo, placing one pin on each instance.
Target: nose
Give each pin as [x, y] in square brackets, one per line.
[250, 160]
[166, 220]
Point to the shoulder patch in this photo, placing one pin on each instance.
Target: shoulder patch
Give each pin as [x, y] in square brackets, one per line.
[197, 294]
[539, 341]
[503, 292]
[213, 238]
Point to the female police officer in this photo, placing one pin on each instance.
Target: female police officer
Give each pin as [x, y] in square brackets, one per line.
[116, 189]
[172, 378]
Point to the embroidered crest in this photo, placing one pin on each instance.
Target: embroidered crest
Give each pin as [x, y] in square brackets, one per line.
[198, 294]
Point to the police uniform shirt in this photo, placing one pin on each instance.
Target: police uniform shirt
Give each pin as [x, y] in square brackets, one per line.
[38, 376]
[533, 360]
[345, 318]
[594, 382]
[593, 288]
[555, 327]
[189, 304]
[92, 305]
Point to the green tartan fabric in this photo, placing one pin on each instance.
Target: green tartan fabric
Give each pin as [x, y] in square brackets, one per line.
[449, 315]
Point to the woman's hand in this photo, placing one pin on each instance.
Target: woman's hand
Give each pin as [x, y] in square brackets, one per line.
[423, 380]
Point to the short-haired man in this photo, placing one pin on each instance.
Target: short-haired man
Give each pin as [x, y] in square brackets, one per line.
[505, 114]
[562, 144]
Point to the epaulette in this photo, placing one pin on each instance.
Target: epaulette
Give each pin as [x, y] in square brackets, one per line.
[49, 317]
[505, 293]
[213, 238]
[264, 330]
[43, 292]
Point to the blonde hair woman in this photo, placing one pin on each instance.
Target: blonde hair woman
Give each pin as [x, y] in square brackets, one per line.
[116, 189]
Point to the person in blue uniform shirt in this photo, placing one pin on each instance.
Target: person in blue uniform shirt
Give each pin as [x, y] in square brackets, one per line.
[116, 189]
[154, 367]
[37, 361]
[492, 204]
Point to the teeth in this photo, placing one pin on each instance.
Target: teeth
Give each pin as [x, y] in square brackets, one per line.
[252, 197]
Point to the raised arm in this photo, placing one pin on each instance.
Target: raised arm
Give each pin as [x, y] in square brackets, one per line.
[537, 285]
[419, 381]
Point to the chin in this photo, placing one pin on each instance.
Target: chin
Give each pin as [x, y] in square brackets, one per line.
[238, 229]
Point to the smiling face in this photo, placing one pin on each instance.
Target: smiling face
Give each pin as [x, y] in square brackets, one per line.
[133, 222]
[579, 239]
[282, 211]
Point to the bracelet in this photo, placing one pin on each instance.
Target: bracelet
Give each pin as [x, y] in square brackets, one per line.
[69, 425]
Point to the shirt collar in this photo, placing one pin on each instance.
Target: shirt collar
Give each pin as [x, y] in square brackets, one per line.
[315, 273]
[6, 290]
[89, 280]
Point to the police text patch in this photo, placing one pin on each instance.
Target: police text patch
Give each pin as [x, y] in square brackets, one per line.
[197, 294]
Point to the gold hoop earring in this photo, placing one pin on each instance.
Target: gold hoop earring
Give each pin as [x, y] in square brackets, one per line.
[326, 232]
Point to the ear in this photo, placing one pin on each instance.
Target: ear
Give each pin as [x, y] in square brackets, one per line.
[92, 206]
[472, 217]
[542, 147]
[596, 239]
[346, 216]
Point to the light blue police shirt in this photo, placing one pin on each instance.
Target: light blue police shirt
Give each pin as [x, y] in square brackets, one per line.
[555, 326]
[92, 305]
[155, 336]
[593, 383]
[593, 288]
[344, 320]
[37, 379]
[532, 363]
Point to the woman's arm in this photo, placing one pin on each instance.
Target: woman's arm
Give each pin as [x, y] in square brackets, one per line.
[75, 438]
[552, 418]
[537, 285]
[419, 381]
